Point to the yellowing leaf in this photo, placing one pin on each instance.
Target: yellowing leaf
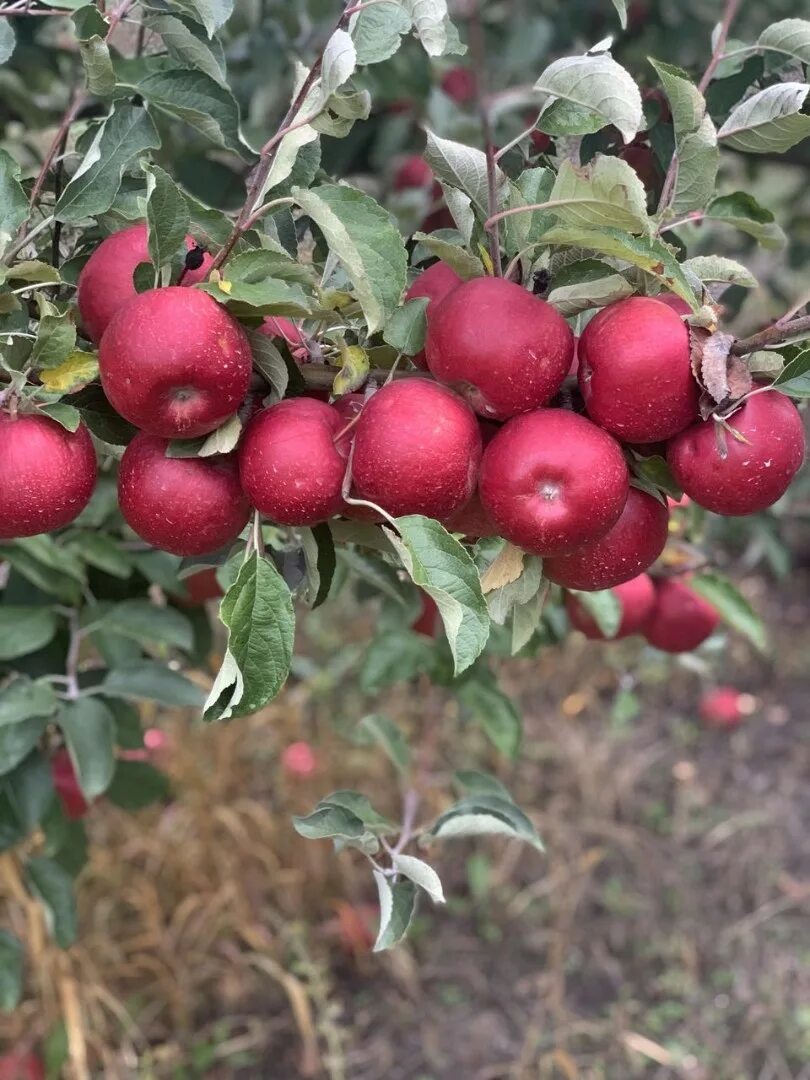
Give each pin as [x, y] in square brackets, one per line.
[79, 369]
[225, 286]
[505, 568]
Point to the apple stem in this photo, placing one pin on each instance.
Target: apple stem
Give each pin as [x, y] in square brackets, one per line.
[478, 56]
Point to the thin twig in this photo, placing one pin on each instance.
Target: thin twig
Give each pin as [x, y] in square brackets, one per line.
[672, 172]
[72, 661]
[56, 148]
[117, 15]
[549, 205]
[17, 248]
[797, 307]
[478, 58]
[771, 335]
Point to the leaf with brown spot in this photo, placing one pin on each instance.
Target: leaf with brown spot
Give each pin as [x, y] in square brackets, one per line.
[506, 567]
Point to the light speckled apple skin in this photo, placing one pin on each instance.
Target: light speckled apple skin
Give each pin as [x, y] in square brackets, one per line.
[630, 546]
[186, 506]
[636, 597]
[174, 363]
[105, 282]
[417, 448]
[47, 474]
[504, 349]
[552, 481]
[434, 283]
[680, 619]
[635, 374]
[290, 465]
[753, 474]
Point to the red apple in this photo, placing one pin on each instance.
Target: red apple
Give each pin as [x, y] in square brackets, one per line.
[552, 481]
[472, 520]
[724, 707]
[729, 476]
[417, 449]
[644, 164]
[635, 373]
[413, 172]
[672, 300]
[434, 283]
[187, 506]
[504, 349]
[636, 597]
[290, 465]
[279, 327]
[66, 783]
[681, 619]
[174, 363]
[633, 544]
[20, 1066]
[298, 760]
[427, 623]
[459, 83]
[105, 283]
[201, 587]
[47, 474]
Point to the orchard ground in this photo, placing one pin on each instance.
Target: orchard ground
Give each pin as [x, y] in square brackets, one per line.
[663, 935]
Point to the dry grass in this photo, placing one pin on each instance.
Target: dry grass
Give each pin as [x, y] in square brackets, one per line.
[659, 938]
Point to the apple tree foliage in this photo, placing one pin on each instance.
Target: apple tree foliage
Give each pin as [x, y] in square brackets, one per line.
[168, 111]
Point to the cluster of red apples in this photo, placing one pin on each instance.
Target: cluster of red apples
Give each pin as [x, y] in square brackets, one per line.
[476, 439]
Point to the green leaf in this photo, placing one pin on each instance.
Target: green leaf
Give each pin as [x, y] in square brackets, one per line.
[22, 699]
[463, 167]
[599, 85]
[53, 886]
[366, 240]
[89, 730]
[467, 266]
[654, 473]
[268, 361]
[11, 971]
[501, 602]
[769, 122]
[56, 336]
[24, 630]
[212, 14]
[394, 656]
[358, 805]
[606, 192]
[734, 609]
[320, 560]
[151, 681]
[743, 212]
[127, 132]
[186, 47]
[405, 330]
[257, 610]
[789, 36]
[594, 285]
[716, 269]
[8, 40]
[793, 369]
[47, 565]
[13, 200]
[338, 63]
[30, 790]
[470, 780]
[605, 608]
[621, 11]
[167, 217]
[101, 551]
[65, 415]
[496, 714]
[329, 821]
[397, 907]
[98, 68]
[482, 814]
[380, 729]
[33, 271]
[433, 27]
[196, 99]
[440, 565]
[421, 874]
[135, 785]
[377, 32]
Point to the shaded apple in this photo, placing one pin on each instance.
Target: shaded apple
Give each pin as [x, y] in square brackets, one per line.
[504, 349]
[459, 84]
[636, 598]
[427, 622]
[724, 707]
[291, 464]
[66, 784]
[47, 474]
[552, 481]
[186, 506]
[681, 619]
[105, 282]
[630, 546]
[174, 363]
[413, 172]
[737, 477]
[200, 587]
[635, 373]
[417, 448]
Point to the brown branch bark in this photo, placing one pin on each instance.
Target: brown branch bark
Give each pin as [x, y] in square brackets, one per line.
[771, 335]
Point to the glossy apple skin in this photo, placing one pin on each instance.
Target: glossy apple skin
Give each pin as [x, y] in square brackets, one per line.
[417, 448]
[635, 373]
[459, 84]
[629, 547]
[73, 802]
[504, 349]
[105, 282]
[47, 474]
[434, 283]
[552, 481]
[681, 619]
[636, 596]
[290, 465]
[186, 506]
[753, 474]
[174, 363]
